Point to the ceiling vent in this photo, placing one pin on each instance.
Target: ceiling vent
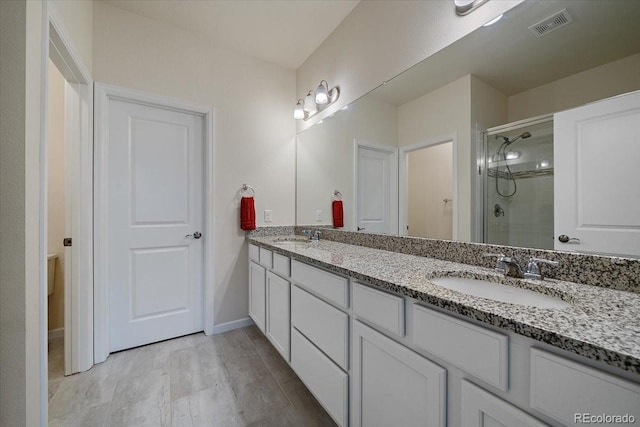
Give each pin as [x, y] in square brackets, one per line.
[552, 23]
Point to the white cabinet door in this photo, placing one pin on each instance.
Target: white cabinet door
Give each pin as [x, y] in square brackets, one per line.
[482, 409]
[596, 191]
[278, 313]
[392, 385]
[257, 294]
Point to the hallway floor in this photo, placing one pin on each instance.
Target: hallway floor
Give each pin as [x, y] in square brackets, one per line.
[232, 379]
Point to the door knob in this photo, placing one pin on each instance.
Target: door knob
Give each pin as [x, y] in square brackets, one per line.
[563, 238]
[195, 235]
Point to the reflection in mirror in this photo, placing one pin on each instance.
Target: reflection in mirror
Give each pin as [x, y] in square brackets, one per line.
[519, 185]
[495, 76]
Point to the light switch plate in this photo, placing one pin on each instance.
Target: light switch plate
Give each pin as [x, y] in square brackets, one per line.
[268, 214]
[318, 215]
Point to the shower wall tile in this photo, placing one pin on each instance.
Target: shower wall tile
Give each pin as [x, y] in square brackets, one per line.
[608, 272]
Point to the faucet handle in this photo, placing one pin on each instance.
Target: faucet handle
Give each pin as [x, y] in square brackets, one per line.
[501, 266]
[533, 270]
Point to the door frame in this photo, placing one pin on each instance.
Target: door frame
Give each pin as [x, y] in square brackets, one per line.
[393, 187]
[103, 94]
[78, 292]
[402, 181]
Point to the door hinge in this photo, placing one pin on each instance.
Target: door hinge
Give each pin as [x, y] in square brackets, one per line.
[66, 241]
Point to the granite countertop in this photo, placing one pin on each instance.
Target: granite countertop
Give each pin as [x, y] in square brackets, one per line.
[601, 324]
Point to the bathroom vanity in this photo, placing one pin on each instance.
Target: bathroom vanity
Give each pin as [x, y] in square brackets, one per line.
[378, 343]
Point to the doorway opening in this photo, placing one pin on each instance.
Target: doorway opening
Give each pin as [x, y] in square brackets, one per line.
[428, 189]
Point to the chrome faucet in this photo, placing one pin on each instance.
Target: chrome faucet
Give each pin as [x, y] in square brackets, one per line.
[316, 236]
[533, 269]
[510, 267]
[507, 265]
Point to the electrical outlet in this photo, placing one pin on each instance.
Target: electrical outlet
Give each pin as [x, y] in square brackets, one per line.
[318, 215]
[268, 214]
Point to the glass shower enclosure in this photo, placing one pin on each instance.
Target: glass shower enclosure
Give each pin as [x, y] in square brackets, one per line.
[518, 184]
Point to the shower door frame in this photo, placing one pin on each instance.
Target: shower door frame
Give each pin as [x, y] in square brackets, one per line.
[481, 196]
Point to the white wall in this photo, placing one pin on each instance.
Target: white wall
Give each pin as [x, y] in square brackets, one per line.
[325, 157]
[254, 125]
[20, 96]
[56, 191]
[443, 112]
[601, 82]
[77, 19]
[379, 39]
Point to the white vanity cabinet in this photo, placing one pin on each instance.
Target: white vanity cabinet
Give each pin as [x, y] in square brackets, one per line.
[278, 313]
[269, 296]
[393, 385]
[257, 294]
[375, 358]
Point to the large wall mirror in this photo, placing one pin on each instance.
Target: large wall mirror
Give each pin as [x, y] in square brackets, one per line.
[461, 145]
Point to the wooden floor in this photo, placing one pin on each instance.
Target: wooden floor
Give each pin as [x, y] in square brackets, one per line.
[232, 379]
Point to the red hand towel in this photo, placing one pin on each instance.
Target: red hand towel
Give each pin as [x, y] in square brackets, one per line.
[247, 214]
[338, 215]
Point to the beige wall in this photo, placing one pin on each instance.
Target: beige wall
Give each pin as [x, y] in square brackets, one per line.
[325, 157]
[76, 16]
[56, 192]
[254, 125]
[379, 39]
[443, 112]
[601, 82]
[429, 182]
[20, 326]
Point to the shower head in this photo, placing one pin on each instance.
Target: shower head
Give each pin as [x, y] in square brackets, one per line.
[523, 135]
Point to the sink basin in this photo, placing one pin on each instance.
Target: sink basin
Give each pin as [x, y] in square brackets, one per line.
[292, 241]
[499, 292]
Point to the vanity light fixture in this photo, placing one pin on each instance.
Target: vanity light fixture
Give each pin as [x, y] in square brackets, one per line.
[298, 110]
[464, 7]
[310, 103]
[316, 101]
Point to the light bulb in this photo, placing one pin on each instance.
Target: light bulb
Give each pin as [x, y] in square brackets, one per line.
[322, 97]
[310, 103]
[298, 112]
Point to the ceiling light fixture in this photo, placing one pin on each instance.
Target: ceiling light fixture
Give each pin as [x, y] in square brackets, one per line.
[316, 101]
[494, 20]
[464, 7]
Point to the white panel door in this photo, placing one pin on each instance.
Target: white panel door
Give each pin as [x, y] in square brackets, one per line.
[155, 193]
[597, 195]
[278, 327]
[257, 295]
[377, 189]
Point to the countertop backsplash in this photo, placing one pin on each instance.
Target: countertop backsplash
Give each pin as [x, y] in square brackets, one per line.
[605, 271]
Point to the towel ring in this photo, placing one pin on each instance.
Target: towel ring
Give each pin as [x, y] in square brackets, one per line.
[247, 188]
[337, 195]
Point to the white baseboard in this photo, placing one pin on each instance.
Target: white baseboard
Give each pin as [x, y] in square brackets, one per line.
[56, 333]
[229, 326]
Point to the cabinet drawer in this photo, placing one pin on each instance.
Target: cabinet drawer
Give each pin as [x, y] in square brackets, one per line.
[282, 265]
[476, 350]
[327, 382]
[380, 308]
[327, 285]
[324, 325]
[562, 388]
[254, 253]
[266, 257]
